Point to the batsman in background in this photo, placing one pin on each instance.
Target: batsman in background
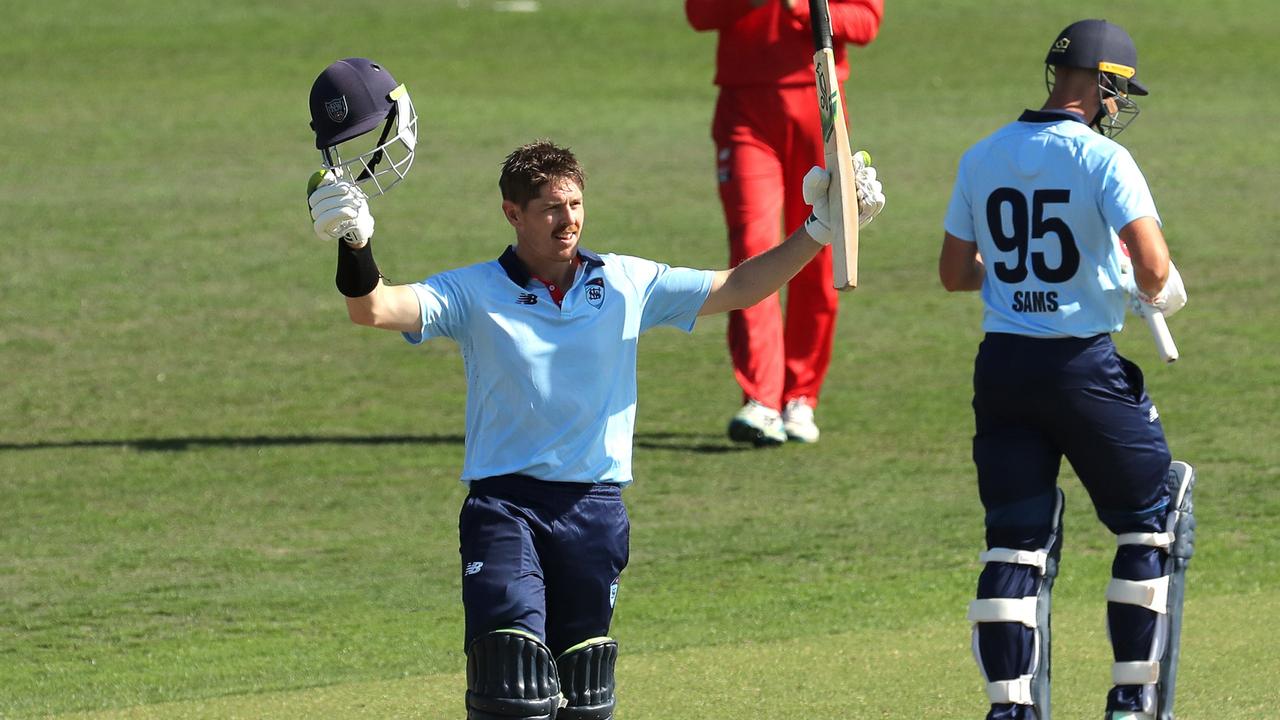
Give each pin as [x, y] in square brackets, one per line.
[767, 135]
[1035, 222]
[548, 333]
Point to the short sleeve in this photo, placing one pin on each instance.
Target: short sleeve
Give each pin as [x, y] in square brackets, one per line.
[1125, 194]
[959, 219]
[443, 307]
[670, 296]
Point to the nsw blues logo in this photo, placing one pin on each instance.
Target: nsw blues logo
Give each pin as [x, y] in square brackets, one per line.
[613, 592]
[336, 108]
[595, 292]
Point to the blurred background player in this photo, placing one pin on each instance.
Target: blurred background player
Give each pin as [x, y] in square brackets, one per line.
[548, 333]
[1036, 221]
[767, 135]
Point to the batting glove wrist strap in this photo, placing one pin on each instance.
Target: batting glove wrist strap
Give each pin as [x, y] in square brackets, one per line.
[358, 274]
[816, 183]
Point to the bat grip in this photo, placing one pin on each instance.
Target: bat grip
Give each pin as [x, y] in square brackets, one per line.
[820, 21]
[1160, 333]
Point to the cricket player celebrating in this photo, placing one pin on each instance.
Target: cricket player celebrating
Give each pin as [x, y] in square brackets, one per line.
[1036, 222]
[548, 333]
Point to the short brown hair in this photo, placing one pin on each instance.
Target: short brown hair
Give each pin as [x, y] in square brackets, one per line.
[531, 166]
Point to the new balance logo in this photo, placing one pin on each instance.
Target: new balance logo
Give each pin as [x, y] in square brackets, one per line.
[527, 299]
[472, 568]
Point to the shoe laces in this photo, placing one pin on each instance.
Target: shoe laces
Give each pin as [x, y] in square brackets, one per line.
[762, 411]
[797, 410]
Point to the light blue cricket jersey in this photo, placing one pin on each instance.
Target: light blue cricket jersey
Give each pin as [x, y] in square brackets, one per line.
[1044, 198]
[551, 390]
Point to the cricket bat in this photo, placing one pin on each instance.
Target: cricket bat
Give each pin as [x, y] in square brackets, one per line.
[842, 194]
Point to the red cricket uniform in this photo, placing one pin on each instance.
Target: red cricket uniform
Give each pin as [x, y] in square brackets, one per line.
[767, 135]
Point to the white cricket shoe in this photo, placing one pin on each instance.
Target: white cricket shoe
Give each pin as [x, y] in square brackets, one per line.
[757, 424]
[797, 421]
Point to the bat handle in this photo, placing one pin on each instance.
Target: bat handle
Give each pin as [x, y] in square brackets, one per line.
[820, 21]
[1160, 332]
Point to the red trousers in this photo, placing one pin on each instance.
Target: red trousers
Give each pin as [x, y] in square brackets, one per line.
[766, 139]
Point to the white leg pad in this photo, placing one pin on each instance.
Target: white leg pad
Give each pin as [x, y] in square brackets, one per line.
[1032, 688]
[1151, 594]
[1017, 691]
[1019, 610]
[1135, 673]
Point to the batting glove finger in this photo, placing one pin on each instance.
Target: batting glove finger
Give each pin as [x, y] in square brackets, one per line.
[341, 209]
[817, 182]
[870, 196]
[355, 228]
[327, 192]
[341, 189]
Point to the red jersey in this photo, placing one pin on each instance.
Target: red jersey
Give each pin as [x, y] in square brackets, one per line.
[772, 45]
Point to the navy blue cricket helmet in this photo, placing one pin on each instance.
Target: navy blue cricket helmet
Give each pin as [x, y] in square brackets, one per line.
[352, 97]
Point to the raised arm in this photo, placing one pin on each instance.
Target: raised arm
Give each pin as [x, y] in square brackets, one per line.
[340, 211]
[759, 277]
[388, 307]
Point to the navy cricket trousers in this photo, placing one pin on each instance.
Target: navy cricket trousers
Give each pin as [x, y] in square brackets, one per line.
[542, 557]
[1035, 401]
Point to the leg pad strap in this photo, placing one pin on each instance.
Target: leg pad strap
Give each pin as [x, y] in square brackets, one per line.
[1019, 610]
[1138, 672]
[1016, 691]
[1151, 594]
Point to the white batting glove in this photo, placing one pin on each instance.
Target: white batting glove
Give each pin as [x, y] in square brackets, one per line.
[340, 209]
[870, 191]
[1171, 298]
[815, 190]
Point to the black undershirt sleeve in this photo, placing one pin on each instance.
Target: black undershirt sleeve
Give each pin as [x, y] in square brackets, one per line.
[357, 273]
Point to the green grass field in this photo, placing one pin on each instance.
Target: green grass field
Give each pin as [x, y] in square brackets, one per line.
[219, 499]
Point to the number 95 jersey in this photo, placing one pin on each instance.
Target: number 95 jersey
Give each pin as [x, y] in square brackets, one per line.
[1044, 198]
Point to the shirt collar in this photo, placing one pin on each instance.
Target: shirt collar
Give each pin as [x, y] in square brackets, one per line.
[1047, 116]
[519, 274]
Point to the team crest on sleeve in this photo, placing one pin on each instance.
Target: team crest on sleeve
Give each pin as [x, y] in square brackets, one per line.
[336, 108]
[595, 292]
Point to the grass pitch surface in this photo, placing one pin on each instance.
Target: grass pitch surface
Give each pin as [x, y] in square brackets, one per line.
[218, 499]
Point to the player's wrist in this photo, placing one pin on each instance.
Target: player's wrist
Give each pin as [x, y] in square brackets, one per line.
[358, 273]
